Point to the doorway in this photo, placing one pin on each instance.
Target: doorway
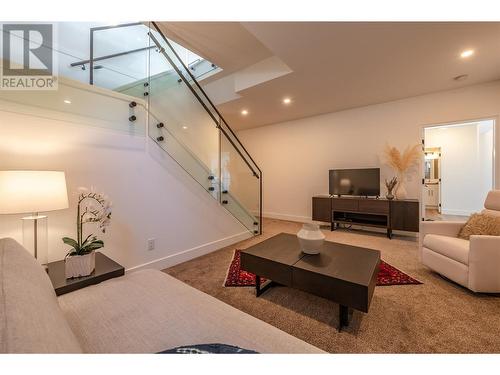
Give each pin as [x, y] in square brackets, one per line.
[458, 169]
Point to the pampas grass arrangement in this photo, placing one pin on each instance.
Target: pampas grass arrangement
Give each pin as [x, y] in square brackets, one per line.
[402, 162]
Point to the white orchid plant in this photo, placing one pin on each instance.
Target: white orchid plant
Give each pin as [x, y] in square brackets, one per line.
[92, 208]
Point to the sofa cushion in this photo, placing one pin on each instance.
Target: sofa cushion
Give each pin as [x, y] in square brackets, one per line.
[451, 247]
[149, 311]
[31, 320]
[482, 225]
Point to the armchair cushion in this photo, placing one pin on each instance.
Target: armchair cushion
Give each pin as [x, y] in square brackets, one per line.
[484, 264]
[480, 224]
[451, 247]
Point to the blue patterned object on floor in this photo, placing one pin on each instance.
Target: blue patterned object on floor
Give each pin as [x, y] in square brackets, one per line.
[208, 349]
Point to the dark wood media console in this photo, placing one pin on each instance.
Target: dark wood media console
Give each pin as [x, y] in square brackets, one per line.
[370, 212]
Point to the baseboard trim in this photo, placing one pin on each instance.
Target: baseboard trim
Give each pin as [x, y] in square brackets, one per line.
[456, 212]
[195, 252]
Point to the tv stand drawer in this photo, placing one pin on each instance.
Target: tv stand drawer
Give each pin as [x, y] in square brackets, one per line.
[374, 206]
[322, 209]
[344, 204]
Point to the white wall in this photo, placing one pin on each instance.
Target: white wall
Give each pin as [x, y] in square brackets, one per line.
[466, 165]
[152, 196]
[295, 156]
[486, 146]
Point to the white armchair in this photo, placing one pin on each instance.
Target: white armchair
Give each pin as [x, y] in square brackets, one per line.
[475, 264]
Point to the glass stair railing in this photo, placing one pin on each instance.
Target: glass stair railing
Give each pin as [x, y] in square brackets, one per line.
[138, 60]
[182, 119]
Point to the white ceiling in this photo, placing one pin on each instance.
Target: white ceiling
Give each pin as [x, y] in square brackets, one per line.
[336, 66]
[227, 44]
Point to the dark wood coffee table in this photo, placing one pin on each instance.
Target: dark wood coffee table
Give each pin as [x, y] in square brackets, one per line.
[341, 273]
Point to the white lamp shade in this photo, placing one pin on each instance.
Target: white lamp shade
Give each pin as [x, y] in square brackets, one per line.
[32, 191]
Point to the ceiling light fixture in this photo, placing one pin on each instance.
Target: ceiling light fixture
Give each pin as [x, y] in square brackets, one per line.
[244, 112]
[467, 53]
[67, 101]
[184, 127]
[287, 101]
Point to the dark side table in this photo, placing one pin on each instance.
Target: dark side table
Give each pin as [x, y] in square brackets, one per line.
[105, 269]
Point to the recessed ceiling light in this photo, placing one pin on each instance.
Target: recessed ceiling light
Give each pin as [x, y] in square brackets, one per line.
[184, 127]
[244, 112]
[287, 101]
[467, 53]
[462, 77]
[67, 101]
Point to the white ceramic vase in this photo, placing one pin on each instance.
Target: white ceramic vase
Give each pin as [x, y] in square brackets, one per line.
[310, 239]
[401, 192]
[79, 265]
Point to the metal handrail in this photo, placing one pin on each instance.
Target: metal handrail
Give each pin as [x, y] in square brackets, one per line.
[205, 95]
[118, 54]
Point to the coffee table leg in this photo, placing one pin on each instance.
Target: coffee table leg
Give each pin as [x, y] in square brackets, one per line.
[261, 288]
[343, 316]
[257, 285]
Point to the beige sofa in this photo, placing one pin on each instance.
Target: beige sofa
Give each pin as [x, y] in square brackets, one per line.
[475, 264]
[142, 312]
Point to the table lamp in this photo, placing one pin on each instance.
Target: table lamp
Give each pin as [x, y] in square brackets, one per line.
[33, 192]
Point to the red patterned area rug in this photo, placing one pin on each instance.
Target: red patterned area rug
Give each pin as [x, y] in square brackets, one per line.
[387, 275]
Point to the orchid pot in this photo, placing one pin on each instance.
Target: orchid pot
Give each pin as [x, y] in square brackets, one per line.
[79, 265]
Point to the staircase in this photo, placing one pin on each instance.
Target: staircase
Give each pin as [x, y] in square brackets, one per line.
[182, 120]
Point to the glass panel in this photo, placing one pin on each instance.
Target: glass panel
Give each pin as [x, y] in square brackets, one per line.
[120, 57]
[175, 61]
[73, 46]
[201, 69]
[183, 156]
[240, 188]
[181, 126]
[234, 139]
[115, 39]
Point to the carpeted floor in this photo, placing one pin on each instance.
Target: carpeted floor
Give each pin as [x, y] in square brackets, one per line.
[436, 317]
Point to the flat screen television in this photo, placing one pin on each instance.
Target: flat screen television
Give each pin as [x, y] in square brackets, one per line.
[359, 182]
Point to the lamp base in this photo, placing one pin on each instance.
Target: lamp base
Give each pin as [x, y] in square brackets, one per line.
[35, 237]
